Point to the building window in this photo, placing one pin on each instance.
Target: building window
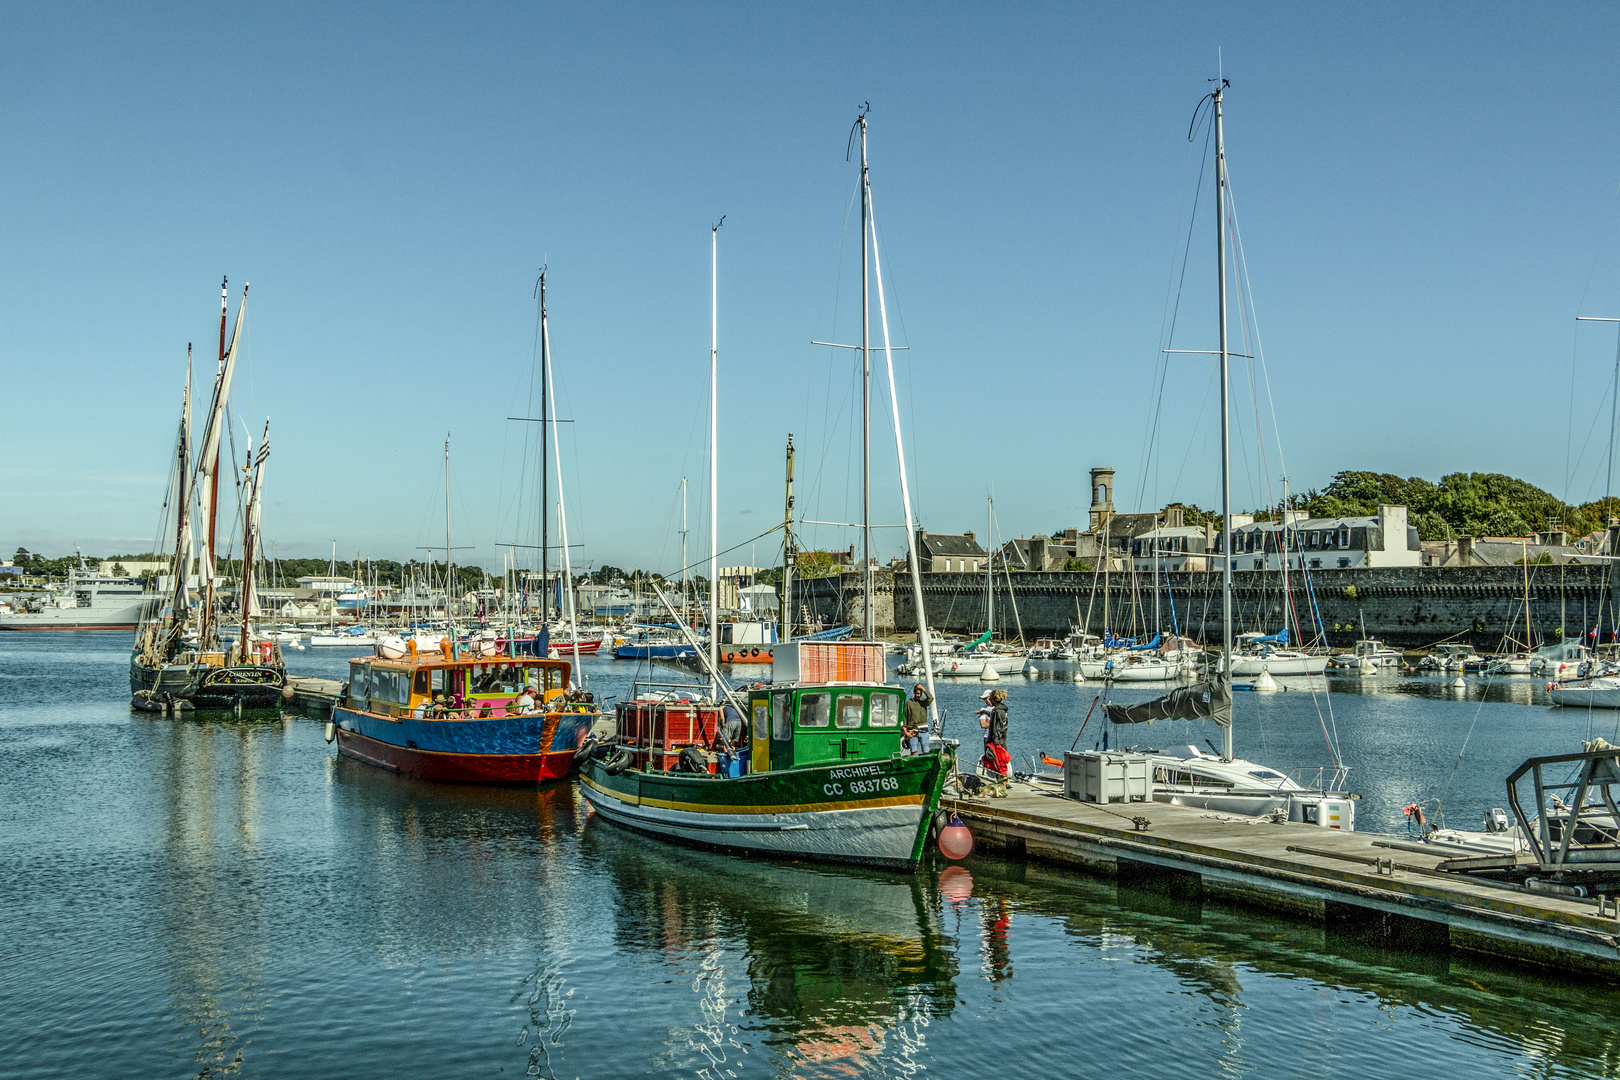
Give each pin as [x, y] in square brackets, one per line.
[1316, 564]
[1343, 563]
[1344, 536]
[1259, 564]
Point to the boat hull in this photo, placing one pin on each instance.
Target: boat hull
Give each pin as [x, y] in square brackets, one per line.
[1285, 665]
[529, 749]
[973, 666]
[210, 687]
[1584, 695]
[874, 813]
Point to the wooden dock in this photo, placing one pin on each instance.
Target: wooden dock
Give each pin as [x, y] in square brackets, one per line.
[313, 695]
[1382, 889]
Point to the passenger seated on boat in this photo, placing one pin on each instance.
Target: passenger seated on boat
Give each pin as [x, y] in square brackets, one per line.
[439, 708]
[524, 702]
[485, 712]
[913, 740]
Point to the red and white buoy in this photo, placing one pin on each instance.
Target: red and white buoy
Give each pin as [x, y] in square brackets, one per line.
[955, 841]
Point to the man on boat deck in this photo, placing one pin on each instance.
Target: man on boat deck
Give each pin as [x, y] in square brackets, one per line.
[733, 728]
[914, 729]
[524, 701]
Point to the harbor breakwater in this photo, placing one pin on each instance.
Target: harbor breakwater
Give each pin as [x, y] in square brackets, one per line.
[1409, 607]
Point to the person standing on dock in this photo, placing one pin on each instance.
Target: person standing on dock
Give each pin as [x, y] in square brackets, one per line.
[994, 722]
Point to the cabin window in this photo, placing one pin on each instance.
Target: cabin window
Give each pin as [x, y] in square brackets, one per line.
[497, 679]
[762, 713]
[885, 711]
[554, 678]
[815, 710]
[438, 681]
[850, 708]
[358, 690]
[423, 683]
[782, 726]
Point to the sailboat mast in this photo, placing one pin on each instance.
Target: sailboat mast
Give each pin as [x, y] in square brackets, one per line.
[784, 623]
[213, 491]
[447, 614]
[182, 528]
[867, 629]
[545, 449]
[685, 567]
[567, 582]
[989, 567]
[714, 458]
[1226, 438]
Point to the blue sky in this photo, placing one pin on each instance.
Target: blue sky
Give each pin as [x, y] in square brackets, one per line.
[1425, 194]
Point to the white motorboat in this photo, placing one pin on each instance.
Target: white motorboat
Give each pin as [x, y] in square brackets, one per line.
[1279, 662]
[1451, 656]
[1601, 692]
[1366, 652]
[1191, 777]
[354, 635]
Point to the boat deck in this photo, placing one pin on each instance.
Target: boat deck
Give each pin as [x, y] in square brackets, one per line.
[1385, 888]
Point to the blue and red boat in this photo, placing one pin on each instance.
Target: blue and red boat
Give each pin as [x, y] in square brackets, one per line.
[467, 718]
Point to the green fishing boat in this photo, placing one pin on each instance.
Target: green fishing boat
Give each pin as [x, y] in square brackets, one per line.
[817, 766]
[823, 775]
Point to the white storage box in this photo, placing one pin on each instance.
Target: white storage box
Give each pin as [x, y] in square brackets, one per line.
[1102, 777]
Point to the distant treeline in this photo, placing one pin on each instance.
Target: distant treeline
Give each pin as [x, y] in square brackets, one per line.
[1461, 504]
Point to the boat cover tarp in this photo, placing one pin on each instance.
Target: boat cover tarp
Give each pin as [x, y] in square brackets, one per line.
[1563, 651]
[1113, 642]
[984, 637]
[1207, 700]
[1154, 644]
[1279, 638]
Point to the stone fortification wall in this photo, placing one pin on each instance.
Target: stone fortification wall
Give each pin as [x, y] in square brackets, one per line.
[1407, 607]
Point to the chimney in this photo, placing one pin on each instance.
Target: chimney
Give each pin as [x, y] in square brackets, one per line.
[1465, 551]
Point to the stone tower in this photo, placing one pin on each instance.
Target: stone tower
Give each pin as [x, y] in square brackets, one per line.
[1102, 495]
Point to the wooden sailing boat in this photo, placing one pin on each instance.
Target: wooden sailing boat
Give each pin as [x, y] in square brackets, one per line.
[180, 658]
[818, 770]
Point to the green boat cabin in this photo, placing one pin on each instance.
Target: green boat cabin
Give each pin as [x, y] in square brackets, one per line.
[796, 726]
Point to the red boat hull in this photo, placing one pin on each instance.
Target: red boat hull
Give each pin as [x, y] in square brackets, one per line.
[563, 650]
[457, 768]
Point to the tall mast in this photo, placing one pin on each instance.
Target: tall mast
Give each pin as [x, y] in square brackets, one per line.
[250, 536]
[182, 529]
[784, 623]
[989, 568]
[447, 614]
[1226, 440]
[562, 521]
[867, 629]
[685, 573]
[545, 449]
[905, 497]
[714, 458]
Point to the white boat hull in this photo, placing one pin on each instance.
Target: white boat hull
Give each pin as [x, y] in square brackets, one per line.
[974, 666]
[1279, 665]
[1586, 693]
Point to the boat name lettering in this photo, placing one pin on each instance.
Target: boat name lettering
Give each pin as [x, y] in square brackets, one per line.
[864, 770]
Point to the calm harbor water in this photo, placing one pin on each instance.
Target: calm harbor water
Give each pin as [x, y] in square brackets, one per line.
[205, 897]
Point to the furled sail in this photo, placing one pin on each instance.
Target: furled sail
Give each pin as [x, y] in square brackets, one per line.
[1207, 700]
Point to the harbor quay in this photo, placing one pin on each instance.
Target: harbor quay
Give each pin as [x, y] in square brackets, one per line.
[1407, 607]
[1378, 890]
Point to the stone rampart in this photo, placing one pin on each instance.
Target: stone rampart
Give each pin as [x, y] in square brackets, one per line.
[1408, 607]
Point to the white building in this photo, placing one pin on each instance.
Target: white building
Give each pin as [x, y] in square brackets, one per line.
[1384, 539]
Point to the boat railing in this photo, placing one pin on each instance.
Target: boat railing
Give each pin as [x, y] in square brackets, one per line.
[1581, 825]
[1319, 777]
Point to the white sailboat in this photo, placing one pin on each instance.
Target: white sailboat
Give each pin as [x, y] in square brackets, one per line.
[1224, 781]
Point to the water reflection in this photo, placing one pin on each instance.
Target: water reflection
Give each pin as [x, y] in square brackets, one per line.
[843, 966]
[1564, 1024]
[210, 889]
